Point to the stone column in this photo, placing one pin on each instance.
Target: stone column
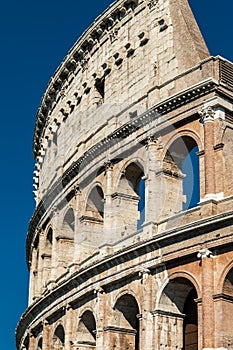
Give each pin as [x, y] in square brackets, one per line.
[153, 189]
[57, 258]
[46, 345]
[108, 215]
[68, 328]
[207, 119]
[39, 277]
[100, 312]
[32, 342]
[145, 319]
[208, 330]
[33, 274]
[79, 237]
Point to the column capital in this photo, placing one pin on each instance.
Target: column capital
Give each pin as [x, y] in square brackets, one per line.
[69, 307]
[38, 230]
[153, 141]
[204, 253]
[54, 211]
[108, 165]
[207, 114]
[99, 290]
[77, 190]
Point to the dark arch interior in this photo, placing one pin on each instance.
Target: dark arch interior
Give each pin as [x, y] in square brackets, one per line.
[190, 332]
[59, 335]
[179, 298]
[69, 219]
[134, 176]
[128, 307]
[228, 283]
[49, 237]
[40, 344]
[26, 342]
[87, 328]
[96, 201]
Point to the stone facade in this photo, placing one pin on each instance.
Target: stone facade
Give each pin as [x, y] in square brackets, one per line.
[130, 244]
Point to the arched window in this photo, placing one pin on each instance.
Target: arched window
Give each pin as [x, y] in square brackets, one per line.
[178, 310]
[131, 197]
[141, 202]
[225, 306]
[47, 256]
[39, 344]
[191, 182]
[59, 338]
[69, 223]
[181, 166]
[86, 332]
[95, 203]
[26, 343]
[49, 240]
[126, 322]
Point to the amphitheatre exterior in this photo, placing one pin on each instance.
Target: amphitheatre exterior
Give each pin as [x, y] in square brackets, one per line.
[130, 244]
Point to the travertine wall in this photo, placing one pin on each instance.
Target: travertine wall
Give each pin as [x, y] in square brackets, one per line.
[115, 261]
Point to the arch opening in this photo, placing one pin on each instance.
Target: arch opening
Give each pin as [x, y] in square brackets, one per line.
[68, 225]
[126, 321]
[178, 309]
[95, 203]
[182, 168]
[59, 338]
[26, 343]
[131, 197]
[224, 305]
[40, 344]
[47, 257]
[86, 332]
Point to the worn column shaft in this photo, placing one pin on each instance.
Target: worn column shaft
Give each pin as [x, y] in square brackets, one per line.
[209, 158]
[207, 303]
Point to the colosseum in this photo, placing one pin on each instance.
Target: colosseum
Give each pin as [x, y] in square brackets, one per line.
[130, 244]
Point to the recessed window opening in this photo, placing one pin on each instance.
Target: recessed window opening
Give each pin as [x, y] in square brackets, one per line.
[39, 345]
[126, 314]
[59, 338]
[184, 160]
[190, 329]
[179, 299]
[100, 86]
[86, 332]
[133, 186]
[95, 203]
[191, 182]
[69, 219]
[141, 203]
[49, 238]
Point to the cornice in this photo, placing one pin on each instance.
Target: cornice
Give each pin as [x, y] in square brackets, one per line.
[121, 133]
[223, 73]
[129, 253]
[77, 58]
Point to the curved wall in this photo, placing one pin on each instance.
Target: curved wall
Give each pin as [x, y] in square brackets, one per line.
[115, 261]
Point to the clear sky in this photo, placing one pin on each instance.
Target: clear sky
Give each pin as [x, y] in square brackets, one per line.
[35, 37]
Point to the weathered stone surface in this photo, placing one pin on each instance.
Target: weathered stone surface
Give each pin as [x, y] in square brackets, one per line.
[121, 256]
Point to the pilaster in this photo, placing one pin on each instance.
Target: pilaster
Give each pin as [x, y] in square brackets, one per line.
[108, 214]
[211, 115]
[152, 182]
[32, 342]
[46, 333]
[68, 327]
[100, 318]
[145, 319]
[207, 264]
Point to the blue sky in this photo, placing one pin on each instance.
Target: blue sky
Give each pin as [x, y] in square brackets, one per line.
[35, 37]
